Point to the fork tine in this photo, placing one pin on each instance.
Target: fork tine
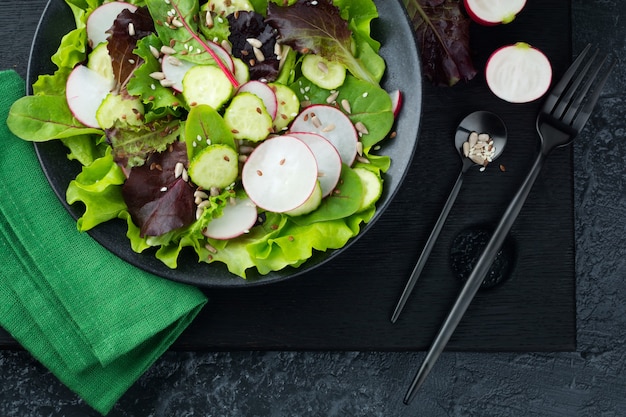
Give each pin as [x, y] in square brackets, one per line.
[577, 121]
[558, 90]
[564, 102]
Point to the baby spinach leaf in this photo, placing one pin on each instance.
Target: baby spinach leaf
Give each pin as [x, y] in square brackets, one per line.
[342, 202]
[43, 118]
[205, 125]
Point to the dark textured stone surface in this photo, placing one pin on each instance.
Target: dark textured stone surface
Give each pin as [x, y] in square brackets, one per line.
[588, 382]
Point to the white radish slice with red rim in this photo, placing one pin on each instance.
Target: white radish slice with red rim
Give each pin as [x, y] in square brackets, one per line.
[396, 102]
[102, 18]
[331, 123]
[493, 12]
[236, 219]
[223, 55]
[280, 174]
[518, 73]
[85, 91]
[174, 70]
[265, 93]
[327, 157]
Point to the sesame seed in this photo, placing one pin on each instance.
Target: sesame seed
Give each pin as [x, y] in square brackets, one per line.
[131, 29]
[163, 189]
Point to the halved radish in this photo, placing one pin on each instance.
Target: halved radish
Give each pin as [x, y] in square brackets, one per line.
[175, 69]
[493, 12]
[396, 102]
[280, 174]
[327, 157]
[102, 18]
[236, 219]
[265, 93]
[331, 123]
[85, 90]
[518, 73]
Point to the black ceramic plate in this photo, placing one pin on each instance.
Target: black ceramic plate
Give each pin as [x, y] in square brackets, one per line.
[403, 72]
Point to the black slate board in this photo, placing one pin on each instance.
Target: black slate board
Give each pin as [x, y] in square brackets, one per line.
[346, 304]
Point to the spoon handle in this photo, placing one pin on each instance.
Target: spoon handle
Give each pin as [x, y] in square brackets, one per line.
[430, 244]
[476, 278]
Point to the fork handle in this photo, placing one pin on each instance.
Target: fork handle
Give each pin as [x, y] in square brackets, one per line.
[477, 276]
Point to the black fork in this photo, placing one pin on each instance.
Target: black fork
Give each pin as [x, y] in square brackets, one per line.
[563, 115]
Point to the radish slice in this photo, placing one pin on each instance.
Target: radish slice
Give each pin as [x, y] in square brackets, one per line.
[331, 123]
[85, 91]
[518, 73]
[174, 70]
[236, 219]
[223, 55]
[396, 102]
[280, 174]
[327, 157]
[265, 93]
[102, 18]
[493, 12]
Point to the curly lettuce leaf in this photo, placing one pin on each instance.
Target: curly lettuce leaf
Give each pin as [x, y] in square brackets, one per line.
[98, 187]
[132, 145]
[443, 37]
[158, 100]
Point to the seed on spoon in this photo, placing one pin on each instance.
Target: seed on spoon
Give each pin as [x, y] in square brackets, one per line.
[479, 148]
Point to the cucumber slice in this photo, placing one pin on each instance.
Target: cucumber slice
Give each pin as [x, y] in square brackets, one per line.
[288, 106]
[372, 187]
[206, 84]
[215, 166]
[100, 61]
[322, 72]
[247, 118]
[310, 204]
[114, 108]
[242, 72]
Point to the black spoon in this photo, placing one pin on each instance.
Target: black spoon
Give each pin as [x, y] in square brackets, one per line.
[479, 122]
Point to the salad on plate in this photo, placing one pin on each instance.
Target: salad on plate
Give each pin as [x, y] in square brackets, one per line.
[244, 130]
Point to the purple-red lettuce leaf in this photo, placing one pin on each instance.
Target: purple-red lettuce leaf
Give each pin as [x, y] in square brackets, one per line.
[158, 201]
[443, 37]
[132, 145]
[251, 25]
[127, 30]
[317, 27]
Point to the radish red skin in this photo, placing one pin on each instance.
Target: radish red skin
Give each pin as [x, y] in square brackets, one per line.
[102, 18]
[472, 7]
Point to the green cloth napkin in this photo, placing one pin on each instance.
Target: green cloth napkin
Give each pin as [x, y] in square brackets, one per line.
[94, 321]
